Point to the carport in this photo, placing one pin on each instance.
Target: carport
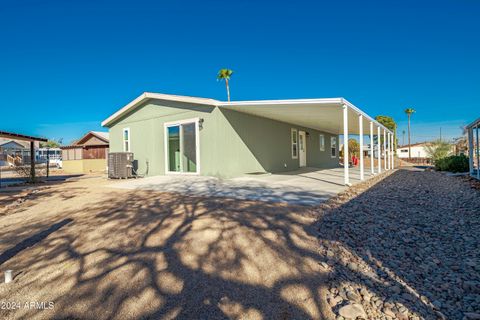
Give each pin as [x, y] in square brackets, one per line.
[333, 115]
[31, 139]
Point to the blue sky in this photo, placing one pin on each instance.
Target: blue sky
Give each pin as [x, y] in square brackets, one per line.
[67, 65]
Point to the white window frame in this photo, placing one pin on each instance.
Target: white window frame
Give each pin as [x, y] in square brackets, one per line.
[166, 125]
[126, 140]
[293, 132]
[333, 142]
[321, 141]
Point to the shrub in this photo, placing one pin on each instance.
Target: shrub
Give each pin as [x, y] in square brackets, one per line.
[438, 149]
[452, 164]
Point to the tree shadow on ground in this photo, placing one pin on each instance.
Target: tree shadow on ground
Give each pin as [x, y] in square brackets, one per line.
[152, 255]
[161, 256]
[33, 240]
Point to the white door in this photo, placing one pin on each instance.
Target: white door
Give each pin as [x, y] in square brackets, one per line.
[302, 148]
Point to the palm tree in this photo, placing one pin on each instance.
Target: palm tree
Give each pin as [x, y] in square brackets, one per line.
[409, 112]
[225, 74]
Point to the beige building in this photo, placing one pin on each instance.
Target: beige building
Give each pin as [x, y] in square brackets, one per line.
[87, 155]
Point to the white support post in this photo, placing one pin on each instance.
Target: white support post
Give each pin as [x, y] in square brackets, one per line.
[360, 126]
[388, 151]
[372, 157]
[345, 146]
[478, 155]
[393, 151]
[385, 149]
[470, 150]
[379, 151]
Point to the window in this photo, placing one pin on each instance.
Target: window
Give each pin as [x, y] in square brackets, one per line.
[321, 139]
[294, 144]
[333, 145]
[403, 150]
[126, 140]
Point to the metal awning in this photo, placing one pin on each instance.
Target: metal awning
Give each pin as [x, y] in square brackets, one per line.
[17, 136]
[320, 114]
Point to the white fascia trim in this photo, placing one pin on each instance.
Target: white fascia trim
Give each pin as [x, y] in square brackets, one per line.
[160, 96]
[358, 111]
[339, 101]
[281, 102]
[96, 135]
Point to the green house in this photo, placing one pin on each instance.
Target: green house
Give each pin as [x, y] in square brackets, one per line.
[171, 134]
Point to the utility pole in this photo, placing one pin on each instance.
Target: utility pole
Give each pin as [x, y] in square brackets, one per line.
[403, 141]
[440, 133]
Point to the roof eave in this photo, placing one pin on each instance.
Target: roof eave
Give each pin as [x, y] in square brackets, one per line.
[22, 137]
[359, 111]
[149, 95]
[159, 96]
[339, 101]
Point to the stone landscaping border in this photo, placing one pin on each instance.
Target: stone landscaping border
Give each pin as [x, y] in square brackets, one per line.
[398, 246]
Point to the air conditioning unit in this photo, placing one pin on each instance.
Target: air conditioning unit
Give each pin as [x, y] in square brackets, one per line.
[120, 165]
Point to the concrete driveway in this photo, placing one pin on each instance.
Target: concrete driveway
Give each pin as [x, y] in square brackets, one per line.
[307, 186]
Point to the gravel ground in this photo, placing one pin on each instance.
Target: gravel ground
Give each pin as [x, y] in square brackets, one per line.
[403, 245]
[407, 248]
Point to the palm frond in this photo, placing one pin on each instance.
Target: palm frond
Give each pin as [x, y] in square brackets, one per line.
[224, 74]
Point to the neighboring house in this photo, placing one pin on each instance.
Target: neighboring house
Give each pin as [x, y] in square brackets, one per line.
[15, 151]
[418, 151]
[473, 130]
[12, 145]
[171, 134]
[87, 154]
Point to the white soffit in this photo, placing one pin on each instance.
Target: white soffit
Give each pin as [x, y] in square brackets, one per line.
[320, 114]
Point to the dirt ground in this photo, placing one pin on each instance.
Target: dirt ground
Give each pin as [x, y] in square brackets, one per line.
[403, 245]
[101, 253]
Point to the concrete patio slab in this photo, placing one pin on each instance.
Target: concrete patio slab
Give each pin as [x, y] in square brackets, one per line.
[307, 186]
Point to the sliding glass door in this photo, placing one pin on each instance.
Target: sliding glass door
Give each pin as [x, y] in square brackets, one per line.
[182, 147]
